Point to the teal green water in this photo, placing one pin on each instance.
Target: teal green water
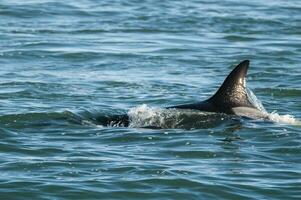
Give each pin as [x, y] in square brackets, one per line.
[65, 64]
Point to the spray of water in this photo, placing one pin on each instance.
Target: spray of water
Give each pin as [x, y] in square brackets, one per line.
[255, 101]
[274, 116]
[144, 116]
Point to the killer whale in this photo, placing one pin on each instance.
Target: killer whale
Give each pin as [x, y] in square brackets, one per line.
[231, 98]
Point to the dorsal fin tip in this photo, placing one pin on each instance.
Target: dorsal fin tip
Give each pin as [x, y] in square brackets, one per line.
[245, 62]
[240, 71]
[237, 75]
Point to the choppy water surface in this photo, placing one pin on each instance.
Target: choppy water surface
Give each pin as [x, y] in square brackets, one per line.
[63, 65]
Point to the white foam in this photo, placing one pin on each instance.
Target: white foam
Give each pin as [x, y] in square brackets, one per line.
[287, 119]
[143, 115]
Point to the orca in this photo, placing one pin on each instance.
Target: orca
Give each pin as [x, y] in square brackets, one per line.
[231, 98]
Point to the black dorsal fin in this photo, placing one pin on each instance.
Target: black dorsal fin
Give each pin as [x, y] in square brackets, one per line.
[233, 91]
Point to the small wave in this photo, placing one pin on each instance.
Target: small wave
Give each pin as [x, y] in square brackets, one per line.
[38, 119]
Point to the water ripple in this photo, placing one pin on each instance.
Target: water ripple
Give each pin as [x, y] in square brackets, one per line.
[66, 65]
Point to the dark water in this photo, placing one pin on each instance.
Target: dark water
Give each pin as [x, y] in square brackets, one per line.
[65, 64]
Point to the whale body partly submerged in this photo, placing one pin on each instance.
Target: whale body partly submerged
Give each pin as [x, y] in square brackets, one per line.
[231, 98]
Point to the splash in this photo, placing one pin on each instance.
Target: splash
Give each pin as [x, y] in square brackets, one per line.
[255, 101]
[287, 119]
[274, 117]
[145, 116]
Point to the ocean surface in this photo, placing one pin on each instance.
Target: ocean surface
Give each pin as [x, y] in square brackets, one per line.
[65, 64]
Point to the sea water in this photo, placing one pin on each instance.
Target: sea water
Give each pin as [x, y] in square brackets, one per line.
[66, 63]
